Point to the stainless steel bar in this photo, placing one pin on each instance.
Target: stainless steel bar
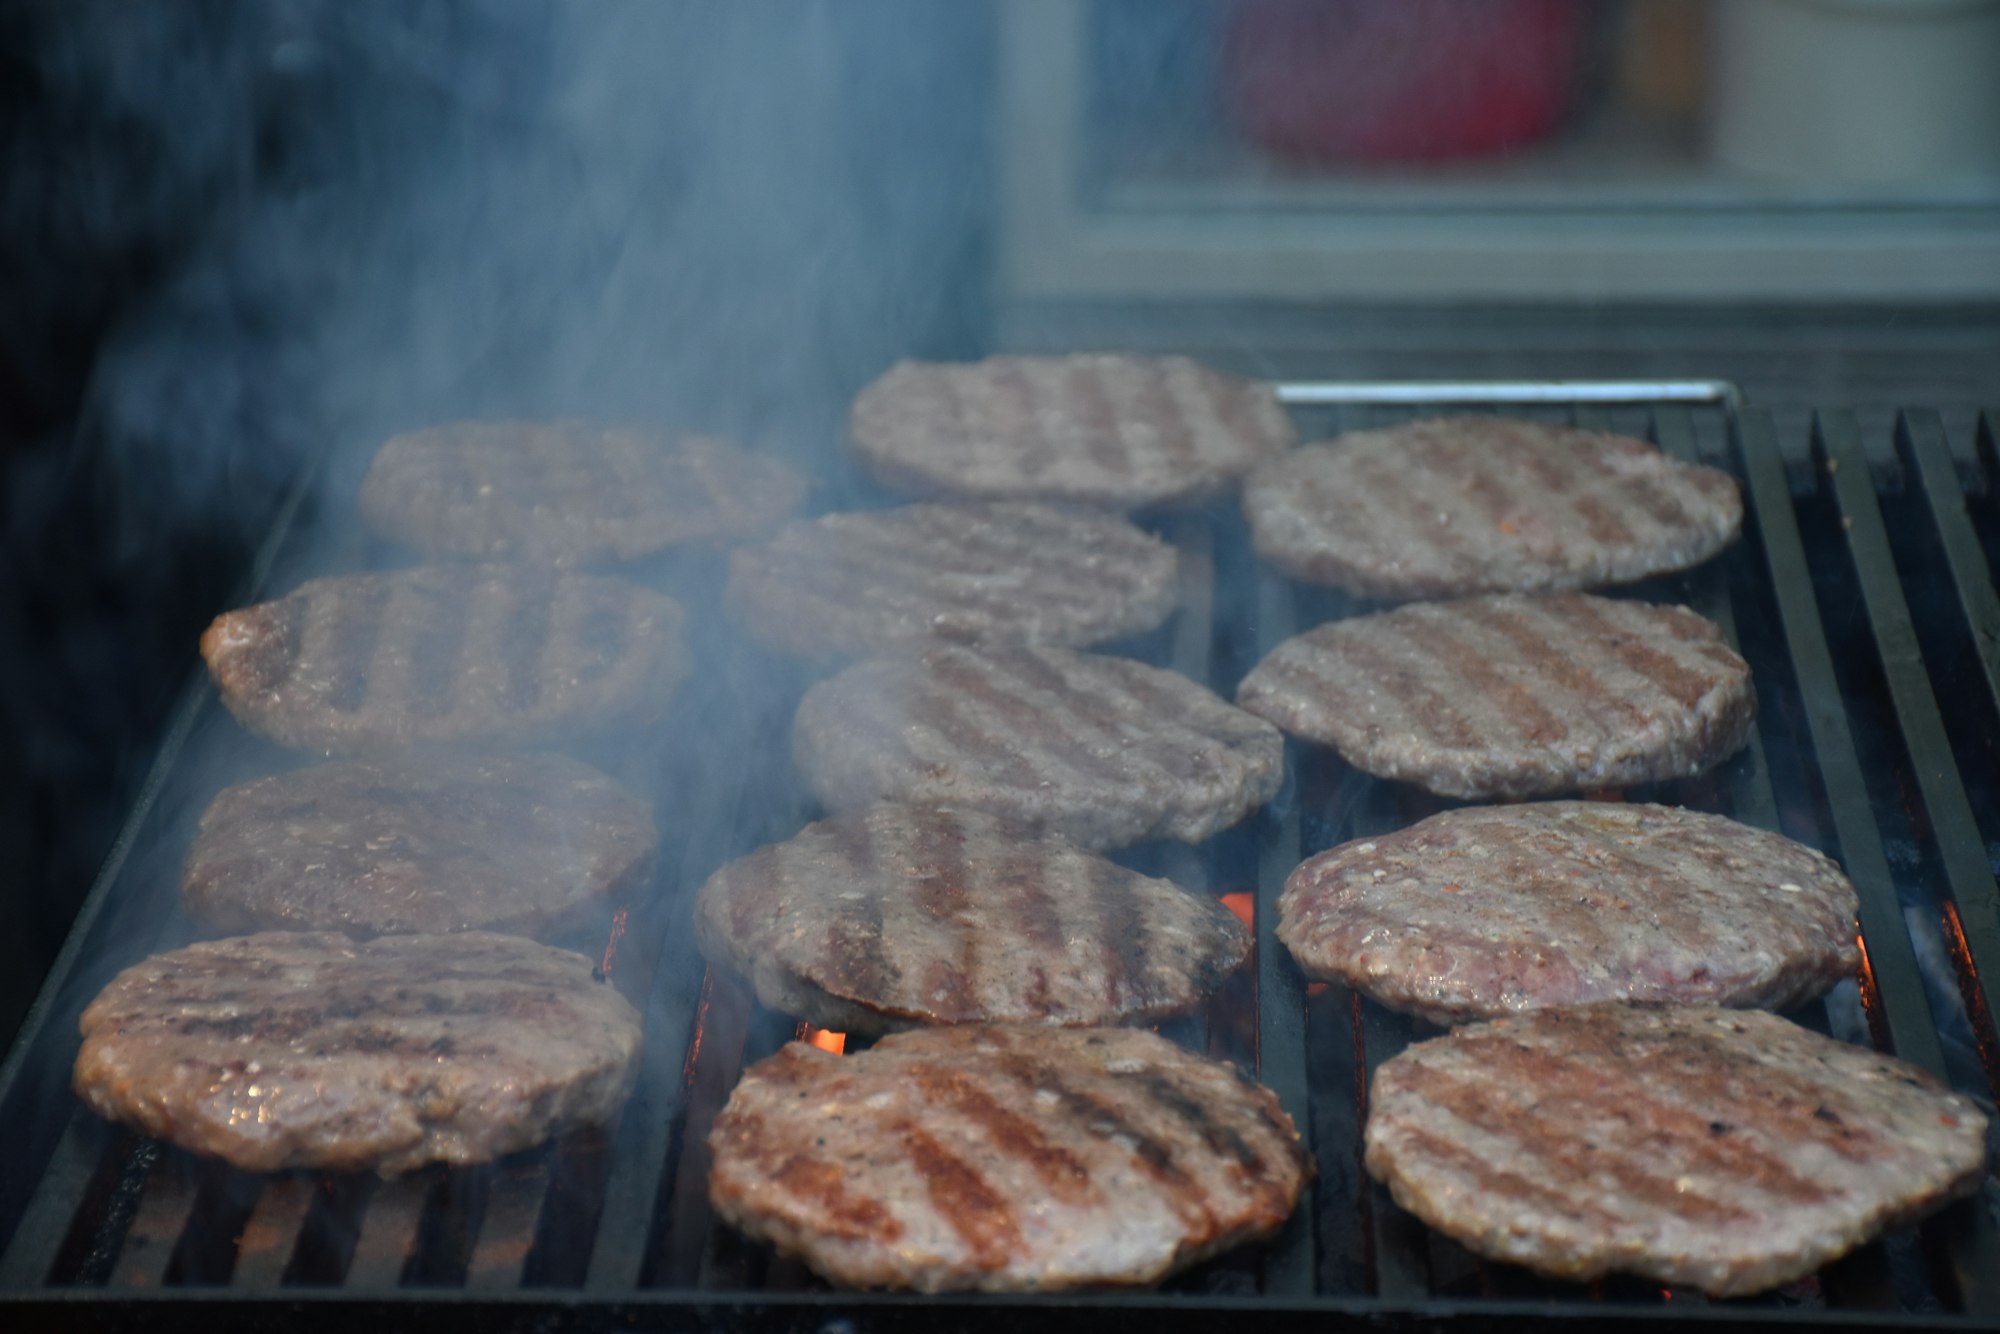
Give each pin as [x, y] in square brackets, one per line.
[1890, 951]
[164, 1211]
[60, 1192]
[1444, 393]
[388, 1237]
[507, 1228]
[272, 1233]
[1281, 998]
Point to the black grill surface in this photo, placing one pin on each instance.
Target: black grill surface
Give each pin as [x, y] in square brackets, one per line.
[1862, 594]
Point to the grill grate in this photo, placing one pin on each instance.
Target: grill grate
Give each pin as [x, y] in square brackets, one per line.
[1862, 594]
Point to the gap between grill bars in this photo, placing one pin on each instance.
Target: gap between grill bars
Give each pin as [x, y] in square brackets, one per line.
[1862, 594]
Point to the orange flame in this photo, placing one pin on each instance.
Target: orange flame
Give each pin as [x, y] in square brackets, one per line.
[1243, 906]
[611, 945]
[825, 1040]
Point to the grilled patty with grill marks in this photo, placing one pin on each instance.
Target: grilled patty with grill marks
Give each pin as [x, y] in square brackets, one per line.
[907, 915]
[855, 585]
[369, 663]
[1003, 1159]
[1105, 751]
[1457, 505]
[294, 1049]
[1125, 431]
[1727, 1149]
[1487, 910]
[1513, 695]
[514, 843]
[569, 492]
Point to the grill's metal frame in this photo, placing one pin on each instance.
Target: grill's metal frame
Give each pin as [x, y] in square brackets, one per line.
[615, 1231]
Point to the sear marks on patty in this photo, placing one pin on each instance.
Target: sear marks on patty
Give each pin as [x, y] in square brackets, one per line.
[1105, 751]
[1003, 1159]
[857, 585]
[1125, 431]
[1456, 505]
[1487, 910]
[569, 492]
[911, 915]
[517, 843]
[1726, 1149]
[1513, 695]
[311, 1050]
[371, 663]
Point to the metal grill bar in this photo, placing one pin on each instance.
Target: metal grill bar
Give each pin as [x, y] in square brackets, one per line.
[621, 1221]
[1891, 958]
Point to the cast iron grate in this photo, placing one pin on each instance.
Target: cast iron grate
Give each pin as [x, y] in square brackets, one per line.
[1862, 593]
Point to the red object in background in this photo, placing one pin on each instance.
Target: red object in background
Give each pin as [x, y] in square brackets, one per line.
[1399, 80]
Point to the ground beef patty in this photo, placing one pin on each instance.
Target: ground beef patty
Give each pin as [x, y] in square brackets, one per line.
[1513, 695]
[1105, 751]
[1486, 910]
[311, 1050]
[1727, 1149]
[368, 663]
[1125, 431]
[1458, 505]
[1003, 1159]
[569, 492]
[910, 915]
[515, 843]
[854, 585]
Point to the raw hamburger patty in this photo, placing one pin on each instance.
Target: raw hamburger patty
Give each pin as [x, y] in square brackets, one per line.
[1459, 505]
[367, 663]
[310, 1050]
[1727, 1149]
[910, 915]
[1105, 751]
[1513, 695]
[853, 585]
[1486, 910]
[1125, 431]
[516, 843]
[568, 492]
[1003, 1159]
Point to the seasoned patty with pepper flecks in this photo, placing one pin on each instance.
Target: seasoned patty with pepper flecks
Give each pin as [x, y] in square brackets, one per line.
[882, 581]
[467, 654]
[1486, 910]
[1456, 505]
[1513, 695]
[516, 843]
[569, 492]
[1726, 1149]
[1004, 1159]
[903, 915]
[1118, 430]
[291, 1049]
[1105, 751]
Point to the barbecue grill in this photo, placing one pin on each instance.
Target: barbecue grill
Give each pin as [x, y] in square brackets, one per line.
[1862, 594]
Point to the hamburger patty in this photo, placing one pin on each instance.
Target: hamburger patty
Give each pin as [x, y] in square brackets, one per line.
[854, 585]
[1125, 431]
[1513, 695]
[515, 843]
[910, 915]
[1103, 750]
[1727, 1149]
[1486, 910]
[310, 1050]
[367, 663]
[569, 492]
[1003, 1159]
[1458, 505]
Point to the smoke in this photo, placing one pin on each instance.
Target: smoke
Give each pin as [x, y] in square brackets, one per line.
[720, 216]
[279, 231]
